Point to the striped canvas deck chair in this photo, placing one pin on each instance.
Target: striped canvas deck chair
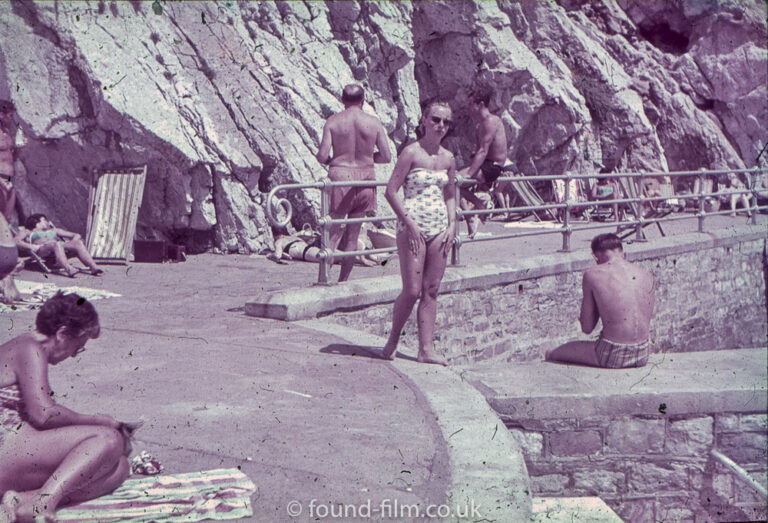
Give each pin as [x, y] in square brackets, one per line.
[632, 189]
[113, 208]
[530, 197]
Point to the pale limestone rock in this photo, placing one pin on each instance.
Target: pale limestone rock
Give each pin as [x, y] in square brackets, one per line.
[224, 100]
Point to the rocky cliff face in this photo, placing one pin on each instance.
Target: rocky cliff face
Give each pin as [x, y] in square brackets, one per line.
[225, 99]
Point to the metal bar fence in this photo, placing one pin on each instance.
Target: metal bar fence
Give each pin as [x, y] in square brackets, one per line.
[326, 223]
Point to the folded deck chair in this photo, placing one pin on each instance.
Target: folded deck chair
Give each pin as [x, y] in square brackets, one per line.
[113, 206]
[631, 189]
[524, 190]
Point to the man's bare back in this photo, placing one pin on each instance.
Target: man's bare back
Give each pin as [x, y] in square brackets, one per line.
[492, 126]
[354, 137]
[622, 295]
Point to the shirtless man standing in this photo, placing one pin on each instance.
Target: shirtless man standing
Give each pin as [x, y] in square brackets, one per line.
[490, 153]
[353, 135]
[7, 149]
[620, 294]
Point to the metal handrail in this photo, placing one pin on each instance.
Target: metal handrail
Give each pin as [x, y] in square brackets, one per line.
[739, 472]
[326, 222]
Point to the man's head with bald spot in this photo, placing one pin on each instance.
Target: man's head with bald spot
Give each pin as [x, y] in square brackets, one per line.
[352, 94]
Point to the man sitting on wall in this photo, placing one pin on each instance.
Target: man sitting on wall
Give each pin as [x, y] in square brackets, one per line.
[622, 295]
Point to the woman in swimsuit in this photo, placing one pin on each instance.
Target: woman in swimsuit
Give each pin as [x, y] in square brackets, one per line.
[44, 239]
[49, 454]
[426, 227]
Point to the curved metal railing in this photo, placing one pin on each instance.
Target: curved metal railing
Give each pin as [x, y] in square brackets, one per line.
[327, 255]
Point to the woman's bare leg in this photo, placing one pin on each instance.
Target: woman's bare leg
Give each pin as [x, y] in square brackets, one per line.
[57, 466]
[434, 268]
[79, 249]
[411, 271]
[57, 249]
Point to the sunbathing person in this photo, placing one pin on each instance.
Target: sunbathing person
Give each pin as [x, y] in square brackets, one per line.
[620, 294]
[51, 456]
[44, 239]
[9, 257]
[607, 189]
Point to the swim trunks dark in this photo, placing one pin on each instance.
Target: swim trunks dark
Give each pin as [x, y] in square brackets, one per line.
[491, 171]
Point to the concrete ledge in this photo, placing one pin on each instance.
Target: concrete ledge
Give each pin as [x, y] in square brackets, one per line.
[685, 383]
[486, 463]
[592, 509]
[317, 301]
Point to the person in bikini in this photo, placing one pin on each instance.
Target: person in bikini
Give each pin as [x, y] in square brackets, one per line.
[622, 295]
[358, 140]
[45, 240]
[51, 456]
[426, 228]
[490, 155]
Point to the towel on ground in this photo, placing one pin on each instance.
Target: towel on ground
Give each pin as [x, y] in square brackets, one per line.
[34, 294]
[193, 496]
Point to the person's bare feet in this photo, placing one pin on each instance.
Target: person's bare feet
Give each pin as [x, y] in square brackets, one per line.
[430, 356]
[95, 271]
[26, 507]
[388, 353]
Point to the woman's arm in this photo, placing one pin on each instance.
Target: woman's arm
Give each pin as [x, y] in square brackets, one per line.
[22, 240]
[42, 411]
[449, 195]
[68, 235]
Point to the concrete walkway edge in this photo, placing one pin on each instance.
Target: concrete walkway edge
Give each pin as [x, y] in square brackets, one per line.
[486, 463]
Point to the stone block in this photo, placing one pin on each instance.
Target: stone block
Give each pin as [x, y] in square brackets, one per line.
[746, 447]
[722, 484]
[726, 423]
[657, 477]
[599, 482]
[676, 514]
[549, 484]
[636, 510]
[532, 443]
[690, 437]
[575, 443]
[753, 423]
[636, 436]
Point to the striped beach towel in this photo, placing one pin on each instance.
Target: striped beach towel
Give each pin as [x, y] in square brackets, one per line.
[195, 496]
[113, 208]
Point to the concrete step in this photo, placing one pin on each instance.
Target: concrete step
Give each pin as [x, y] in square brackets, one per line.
[591, 509]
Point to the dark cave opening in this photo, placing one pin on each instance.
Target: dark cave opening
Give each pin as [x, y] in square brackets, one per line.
[663, 37]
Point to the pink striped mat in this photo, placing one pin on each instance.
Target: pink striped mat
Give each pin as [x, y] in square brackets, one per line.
[194, 496]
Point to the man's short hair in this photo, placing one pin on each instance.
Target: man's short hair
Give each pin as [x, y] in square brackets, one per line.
[6, 106]
[482, 93]
[352, 94]
[606, 242]
[32, 221]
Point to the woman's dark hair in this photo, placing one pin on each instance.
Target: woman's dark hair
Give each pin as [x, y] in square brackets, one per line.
[67, 310]
[32, 221]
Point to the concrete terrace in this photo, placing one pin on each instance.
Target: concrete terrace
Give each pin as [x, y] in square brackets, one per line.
[307, 409]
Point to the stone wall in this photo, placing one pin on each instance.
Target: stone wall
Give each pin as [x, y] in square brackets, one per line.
[650, 468]
[707, 299]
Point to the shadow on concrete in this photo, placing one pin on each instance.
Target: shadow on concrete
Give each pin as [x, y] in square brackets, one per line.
[344, 349]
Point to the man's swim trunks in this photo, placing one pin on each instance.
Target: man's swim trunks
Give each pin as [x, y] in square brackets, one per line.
[491, 171]
[621, 356]
[352, 201]
[9, 257]
[424, 201]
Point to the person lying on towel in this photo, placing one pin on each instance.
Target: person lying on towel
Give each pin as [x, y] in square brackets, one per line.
[51, 456]
[44, 239]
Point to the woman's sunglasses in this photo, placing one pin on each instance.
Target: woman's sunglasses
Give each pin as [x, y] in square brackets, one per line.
[444, 121]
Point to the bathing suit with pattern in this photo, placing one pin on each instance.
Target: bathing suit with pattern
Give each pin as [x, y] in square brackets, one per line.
[424, 201]
[9, 257]
[612, 355]
[36, 235]
[11, 407]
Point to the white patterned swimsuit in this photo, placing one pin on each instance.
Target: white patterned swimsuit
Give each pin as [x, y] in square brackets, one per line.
[424, 202]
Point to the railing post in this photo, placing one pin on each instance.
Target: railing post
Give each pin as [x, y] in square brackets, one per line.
[701, 201]
[326, 254]
[753, 197]
[456, 248]
[567, 217]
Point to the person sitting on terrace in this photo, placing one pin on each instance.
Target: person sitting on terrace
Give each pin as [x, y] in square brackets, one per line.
[52, 456]
[44, 239]
[622, 295]
[607, 189]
